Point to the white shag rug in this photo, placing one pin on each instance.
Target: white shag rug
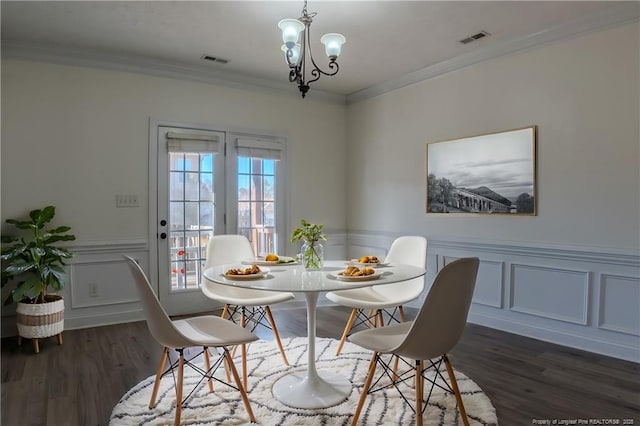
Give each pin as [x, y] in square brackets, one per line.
[265, 366]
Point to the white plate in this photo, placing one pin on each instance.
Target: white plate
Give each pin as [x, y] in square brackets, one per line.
[354, 262]
[263, 273]
[259, 262]
[283, 260]
[373, 276]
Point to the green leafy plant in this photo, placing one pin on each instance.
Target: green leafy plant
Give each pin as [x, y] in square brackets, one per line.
[35, 260]
[310, 233]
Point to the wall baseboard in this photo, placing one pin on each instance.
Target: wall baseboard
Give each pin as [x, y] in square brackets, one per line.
[602, 347]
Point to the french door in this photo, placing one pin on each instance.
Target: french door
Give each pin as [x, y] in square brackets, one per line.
[191, 209]
[209, 182]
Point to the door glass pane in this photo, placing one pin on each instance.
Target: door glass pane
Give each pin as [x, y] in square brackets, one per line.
[176, 185]
[243, 187]
[206, 186]
[256, 195]
[192, 186]
[191, 215]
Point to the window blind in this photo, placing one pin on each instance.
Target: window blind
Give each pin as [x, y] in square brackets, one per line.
[192, 142]
[260, 148]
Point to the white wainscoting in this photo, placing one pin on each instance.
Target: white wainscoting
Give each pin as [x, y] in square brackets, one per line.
[587, 298]
[101, 290]
[582, 297]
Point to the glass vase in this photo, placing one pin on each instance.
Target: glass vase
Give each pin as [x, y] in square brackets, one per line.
[312, 256]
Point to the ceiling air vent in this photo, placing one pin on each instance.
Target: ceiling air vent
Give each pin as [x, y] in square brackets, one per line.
[474, 37]
[214, 59]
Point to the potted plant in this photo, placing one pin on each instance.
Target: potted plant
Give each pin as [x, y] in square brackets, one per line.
[38, 265]
[312, 251]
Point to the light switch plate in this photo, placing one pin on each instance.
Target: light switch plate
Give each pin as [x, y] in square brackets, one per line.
[130, 200]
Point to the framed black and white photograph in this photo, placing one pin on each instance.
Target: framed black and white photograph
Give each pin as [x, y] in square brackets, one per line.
[490, 173]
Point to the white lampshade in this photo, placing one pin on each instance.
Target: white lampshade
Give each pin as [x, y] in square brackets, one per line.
[295, 57]
[333, 44]
[290, 31]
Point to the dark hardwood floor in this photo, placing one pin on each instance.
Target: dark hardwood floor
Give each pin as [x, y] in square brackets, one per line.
[79, 382]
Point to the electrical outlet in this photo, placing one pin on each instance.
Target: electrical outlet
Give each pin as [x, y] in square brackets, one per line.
[130, 200]
[93, 290]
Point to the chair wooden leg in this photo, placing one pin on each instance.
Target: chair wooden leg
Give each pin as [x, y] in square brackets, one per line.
[243, 392]
[365, 389]
[372, 323]
[347, 329]
[225, 311]
[226, 369]
[156, 383]
[36, 345]
[380, 318]
[59, 336]
[179, 389]
[243, 323]
[276, 335]
[207, 367]
[419, 390]
[402, 315]
[456, 391]
[396, 359]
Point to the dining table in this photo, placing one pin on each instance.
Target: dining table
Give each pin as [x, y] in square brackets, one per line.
[311, 389]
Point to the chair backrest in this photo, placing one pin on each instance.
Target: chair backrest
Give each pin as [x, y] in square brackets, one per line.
[159, 323]
[409, 250]
[443, 316]
[226, 249]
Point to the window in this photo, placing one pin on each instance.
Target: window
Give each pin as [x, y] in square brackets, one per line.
[259, 171]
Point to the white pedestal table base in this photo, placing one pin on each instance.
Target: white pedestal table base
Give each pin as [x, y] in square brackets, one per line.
[299, 391]
[308, 389]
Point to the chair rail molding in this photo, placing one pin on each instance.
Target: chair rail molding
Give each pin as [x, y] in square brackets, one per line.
[578, 296]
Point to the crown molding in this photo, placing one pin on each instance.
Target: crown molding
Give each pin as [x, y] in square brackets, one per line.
[610, 17]
[83, 57]
[618, 15]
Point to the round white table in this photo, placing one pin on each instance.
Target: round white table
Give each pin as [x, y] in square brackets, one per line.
[309, 389]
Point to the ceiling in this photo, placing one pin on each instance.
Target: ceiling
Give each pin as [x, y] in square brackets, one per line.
[386, 40]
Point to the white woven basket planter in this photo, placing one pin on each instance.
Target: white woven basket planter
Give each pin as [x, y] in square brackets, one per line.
[36, 321]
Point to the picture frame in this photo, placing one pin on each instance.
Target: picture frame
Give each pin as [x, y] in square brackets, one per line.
[493, 173]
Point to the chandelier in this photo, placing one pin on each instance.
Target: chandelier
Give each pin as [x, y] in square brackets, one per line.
[296, 53]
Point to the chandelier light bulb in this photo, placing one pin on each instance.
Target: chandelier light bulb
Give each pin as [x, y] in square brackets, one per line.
[333, 44]
[290, 31]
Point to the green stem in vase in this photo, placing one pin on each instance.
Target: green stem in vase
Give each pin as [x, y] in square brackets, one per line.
[312, 259]
[310, 234]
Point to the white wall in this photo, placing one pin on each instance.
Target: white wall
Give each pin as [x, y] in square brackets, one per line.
[75, 137]
[583, 94]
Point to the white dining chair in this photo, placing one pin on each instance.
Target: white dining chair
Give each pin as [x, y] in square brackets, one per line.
[252, 306]
[368, 304]
[206, 331]
[435, 331]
